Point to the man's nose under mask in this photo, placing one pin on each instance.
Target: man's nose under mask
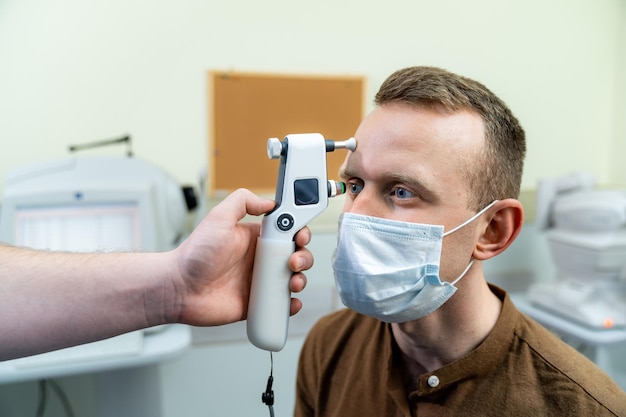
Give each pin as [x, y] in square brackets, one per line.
[389, 269]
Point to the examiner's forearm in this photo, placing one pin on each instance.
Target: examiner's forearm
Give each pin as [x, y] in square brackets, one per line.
[54, 300]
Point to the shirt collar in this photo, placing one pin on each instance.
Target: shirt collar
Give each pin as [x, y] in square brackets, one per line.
[478, 362]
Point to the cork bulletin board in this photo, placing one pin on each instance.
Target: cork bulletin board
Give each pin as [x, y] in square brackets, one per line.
[245, 109]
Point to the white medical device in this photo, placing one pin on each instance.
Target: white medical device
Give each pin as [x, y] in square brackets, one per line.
[302, 193]
[586, 232]
[92, 203]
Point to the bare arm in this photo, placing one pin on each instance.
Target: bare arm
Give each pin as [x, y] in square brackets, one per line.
[54, 300]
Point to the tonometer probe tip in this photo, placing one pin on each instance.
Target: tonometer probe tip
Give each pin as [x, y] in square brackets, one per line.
[336, 188]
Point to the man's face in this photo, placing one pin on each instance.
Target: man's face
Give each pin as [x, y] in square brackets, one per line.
[408, 166]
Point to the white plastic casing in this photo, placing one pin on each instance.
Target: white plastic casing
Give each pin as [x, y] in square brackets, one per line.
[303, 159]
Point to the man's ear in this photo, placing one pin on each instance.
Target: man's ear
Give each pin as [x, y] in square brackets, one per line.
[505, 225]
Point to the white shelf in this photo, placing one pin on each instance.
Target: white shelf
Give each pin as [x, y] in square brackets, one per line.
[565, 326]
[157, 346]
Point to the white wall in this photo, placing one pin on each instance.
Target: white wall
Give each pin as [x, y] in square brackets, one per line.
[618, 148]
[74, 71]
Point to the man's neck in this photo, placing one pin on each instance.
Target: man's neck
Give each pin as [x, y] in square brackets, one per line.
[451, 332]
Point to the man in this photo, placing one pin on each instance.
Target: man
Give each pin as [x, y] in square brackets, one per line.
[432, 192]
[53, 300]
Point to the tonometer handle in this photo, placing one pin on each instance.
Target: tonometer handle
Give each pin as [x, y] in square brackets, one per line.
[270, 298]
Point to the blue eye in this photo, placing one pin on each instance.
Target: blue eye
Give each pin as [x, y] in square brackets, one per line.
[403, 193]
[354, 188]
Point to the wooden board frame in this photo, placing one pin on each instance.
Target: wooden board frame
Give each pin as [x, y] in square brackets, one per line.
[245, 109]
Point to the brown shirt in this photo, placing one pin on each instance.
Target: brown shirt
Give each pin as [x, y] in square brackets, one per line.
[349, 366]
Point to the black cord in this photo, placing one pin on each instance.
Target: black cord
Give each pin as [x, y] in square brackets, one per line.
[43, 397]
[64, 400]
[268, 396]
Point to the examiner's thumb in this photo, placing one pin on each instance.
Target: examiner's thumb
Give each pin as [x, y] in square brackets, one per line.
[254, 204]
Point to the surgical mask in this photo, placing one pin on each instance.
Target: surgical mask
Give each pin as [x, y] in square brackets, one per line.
[389, 269]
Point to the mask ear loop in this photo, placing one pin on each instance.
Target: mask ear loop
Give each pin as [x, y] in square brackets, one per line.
[464, 272]
[471, 219]
[465, 223]
[268, 396]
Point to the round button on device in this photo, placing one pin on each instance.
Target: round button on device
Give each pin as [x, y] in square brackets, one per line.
[285, 222]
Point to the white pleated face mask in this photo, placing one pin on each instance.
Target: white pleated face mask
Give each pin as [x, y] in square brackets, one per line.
[389, 269]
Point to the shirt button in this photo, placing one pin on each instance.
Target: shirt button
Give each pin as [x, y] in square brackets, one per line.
[433, 381]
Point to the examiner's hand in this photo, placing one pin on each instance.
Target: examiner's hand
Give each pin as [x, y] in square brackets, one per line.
[214, 265]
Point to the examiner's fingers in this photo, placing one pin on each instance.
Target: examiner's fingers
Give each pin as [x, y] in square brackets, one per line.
[296, 305]
[303, 237]
[301, 260]
[297, 282]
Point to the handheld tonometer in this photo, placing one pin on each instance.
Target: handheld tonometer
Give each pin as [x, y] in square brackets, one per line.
[302, 193]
